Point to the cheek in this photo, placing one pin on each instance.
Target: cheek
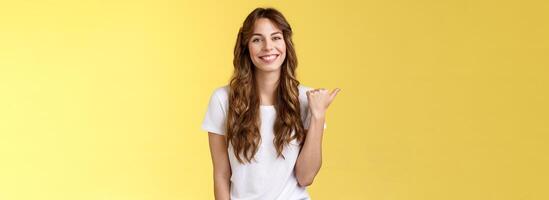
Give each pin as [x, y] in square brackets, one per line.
[253, 50]
[282, 47]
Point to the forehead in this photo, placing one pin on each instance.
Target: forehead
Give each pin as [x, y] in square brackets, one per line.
[264, 26]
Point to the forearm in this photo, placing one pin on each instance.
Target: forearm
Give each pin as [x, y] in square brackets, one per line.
[222, 185]
[310, 158]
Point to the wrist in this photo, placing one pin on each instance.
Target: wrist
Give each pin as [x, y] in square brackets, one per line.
[318, 116]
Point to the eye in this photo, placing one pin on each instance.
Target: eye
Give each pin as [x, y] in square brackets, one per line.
[277, 38]
[255, 40]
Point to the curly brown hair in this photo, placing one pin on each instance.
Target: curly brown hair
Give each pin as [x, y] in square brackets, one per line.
[243, 120]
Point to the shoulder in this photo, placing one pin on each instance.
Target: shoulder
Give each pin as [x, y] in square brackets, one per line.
[221, 92]
[216, 114]
[220, 96]
[304, 102]
[303, 88]
[303, 92]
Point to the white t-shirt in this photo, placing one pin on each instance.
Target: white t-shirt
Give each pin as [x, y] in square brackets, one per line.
[268, 176]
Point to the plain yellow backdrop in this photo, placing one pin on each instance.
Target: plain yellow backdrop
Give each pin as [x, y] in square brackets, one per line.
[103, 100]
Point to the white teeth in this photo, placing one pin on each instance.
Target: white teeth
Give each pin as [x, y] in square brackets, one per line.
[269, 57]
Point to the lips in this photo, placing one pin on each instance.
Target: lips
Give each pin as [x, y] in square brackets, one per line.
[268, 58]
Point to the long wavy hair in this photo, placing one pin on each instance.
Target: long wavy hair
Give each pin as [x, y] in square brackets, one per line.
[243, 120]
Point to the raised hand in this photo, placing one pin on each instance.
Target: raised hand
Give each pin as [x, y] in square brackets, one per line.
[319, 100]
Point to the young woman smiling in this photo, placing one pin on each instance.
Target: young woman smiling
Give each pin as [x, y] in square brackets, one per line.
[265, 128]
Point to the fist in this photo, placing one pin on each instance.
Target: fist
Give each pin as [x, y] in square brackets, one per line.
[319, 100]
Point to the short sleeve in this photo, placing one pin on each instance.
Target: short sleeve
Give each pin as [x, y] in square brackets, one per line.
[215, 118]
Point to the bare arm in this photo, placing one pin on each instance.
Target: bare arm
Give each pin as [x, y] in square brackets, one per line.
[221, 166]
[310, 158]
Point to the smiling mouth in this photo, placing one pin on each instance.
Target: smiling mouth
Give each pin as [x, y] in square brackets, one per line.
[269, 58]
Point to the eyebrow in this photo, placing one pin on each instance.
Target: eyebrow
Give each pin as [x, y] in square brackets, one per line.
[278, 32]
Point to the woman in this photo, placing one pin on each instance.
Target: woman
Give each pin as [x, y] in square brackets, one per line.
[265, 129]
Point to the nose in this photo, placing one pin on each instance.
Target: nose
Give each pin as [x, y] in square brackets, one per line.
[268, 45]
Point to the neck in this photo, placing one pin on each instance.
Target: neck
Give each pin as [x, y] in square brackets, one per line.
[267, 83]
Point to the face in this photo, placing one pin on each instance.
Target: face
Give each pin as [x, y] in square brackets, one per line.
[267, 47]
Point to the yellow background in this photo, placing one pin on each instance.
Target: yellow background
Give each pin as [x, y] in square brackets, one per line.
[103, 100]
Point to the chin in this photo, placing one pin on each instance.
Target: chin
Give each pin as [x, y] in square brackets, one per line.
[269, 68]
